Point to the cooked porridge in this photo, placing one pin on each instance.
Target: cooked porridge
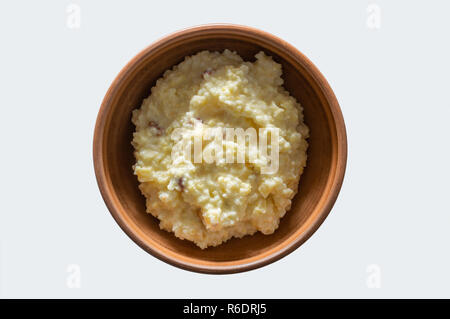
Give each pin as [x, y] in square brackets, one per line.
[209, 203]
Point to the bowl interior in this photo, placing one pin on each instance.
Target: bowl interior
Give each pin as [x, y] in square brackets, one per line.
[134, 84]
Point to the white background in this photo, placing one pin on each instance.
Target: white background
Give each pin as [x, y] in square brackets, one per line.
[393, 210]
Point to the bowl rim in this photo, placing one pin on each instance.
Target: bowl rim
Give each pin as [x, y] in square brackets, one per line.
[213, 268]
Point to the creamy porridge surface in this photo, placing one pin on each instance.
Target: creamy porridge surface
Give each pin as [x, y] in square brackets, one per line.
[211, 203]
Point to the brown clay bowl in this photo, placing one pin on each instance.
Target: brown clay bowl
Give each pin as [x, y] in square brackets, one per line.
[319, 184]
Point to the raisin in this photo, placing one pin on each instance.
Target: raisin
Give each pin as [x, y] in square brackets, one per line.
[159, 130]
[208, 71]
[181, 183]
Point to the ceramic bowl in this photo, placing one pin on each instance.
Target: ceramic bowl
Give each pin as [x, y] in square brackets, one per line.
[319, 184]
